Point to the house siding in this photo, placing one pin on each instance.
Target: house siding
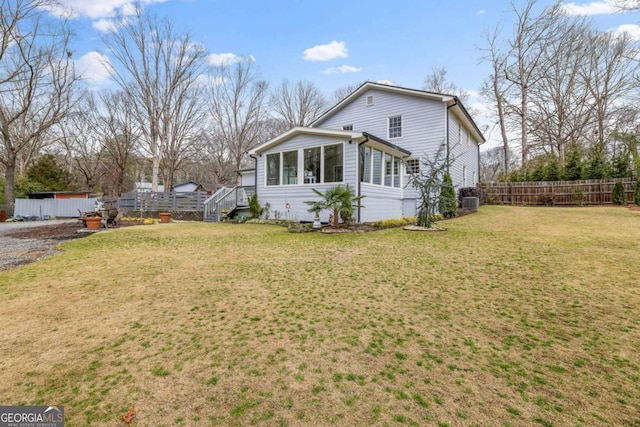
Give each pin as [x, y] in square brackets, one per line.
[427, 126]
[465, 156]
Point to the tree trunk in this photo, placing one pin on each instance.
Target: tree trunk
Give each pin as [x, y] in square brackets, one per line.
[9, 182]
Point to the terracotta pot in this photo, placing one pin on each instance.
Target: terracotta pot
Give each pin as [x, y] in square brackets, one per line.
[165, 217]
[93, 223]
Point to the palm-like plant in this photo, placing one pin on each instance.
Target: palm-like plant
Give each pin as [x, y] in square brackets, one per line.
[340, 200]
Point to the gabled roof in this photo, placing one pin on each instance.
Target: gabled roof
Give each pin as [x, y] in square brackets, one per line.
[342, 134]
[451, 101]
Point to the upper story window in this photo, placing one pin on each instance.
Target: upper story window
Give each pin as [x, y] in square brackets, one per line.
[369, 100]
[347, 127]
[395, 127]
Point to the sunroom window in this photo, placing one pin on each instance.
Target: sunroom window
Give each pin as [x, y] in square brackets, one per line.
[290, 167]
[273, 169]
[333, 160]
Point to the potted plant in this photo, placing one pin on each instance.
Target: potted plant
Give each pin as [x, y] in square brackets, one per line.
[316, 207]
[165, 217]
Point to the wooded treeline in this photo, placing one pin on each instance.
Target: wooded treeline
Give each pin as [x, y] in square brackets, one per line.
[564, 96]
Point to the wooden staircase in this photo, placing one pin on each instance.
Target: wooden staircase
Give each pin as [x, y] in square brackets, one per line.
[226, 202]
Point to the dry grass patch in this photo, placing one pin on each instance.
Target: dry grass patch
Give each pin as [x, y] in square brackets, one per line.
[514, 316]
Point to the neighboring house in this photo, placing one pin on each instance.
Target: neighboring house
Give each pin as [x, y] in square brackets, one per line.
[187, 187]
[368, 141]
[145, 187]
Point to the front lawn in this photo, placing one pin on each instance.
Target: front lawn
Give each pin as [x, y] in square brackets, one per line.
[514, 316]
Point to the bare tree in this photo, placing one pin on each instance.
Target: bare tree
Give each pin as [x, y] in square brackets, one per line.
[524, 62]
[342, 92]
[496, 89]
[608, 77]
[36, 79]
[437, 82]
[297, 104]
[492, 163]
[238, 108]
[82, 141]
[120, 136]
[560, 107]
[158, 69]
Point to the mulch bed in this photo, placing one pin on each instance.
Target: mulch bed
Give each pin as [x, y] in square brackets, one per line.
[62, 232]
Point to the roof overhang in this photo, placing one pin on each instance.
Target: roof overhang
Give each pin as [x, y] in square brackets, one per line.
[327, 133]
[386, 146]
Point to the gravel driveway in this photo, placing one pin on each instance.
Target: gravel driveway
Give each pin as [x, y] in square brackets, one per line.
[29, 241]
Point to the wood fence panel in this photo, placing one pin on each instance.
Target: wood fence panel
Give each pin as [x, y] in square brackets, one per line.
[559, 193]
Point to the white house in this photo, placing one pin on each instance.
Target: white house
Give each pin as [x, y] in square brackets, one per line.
[368, 141]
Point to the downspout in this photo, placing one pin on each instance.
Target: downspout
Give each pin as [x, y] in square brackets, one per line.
[358, 180]
[255, 172]
[455, 102]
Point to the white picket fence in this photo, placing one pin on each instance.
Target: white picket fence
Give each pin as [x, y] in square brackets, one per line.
[53, 208]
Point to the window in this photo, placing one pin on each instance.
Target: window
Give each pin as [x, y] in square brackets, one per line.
[312, 165]
[290, 168]
[369, 100]
[347, 127]
[395, 127]
[473, 183]
[377, 167]
[388, 169]
[464, 176]
[273, 169]
[333, 159]
[365, 164]
[396, 172]
[412, 166]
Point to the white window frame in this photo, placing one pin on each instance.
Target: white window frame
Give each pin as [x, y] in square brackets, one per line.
[464, 175]
[300, 167]
[389, 119]
[408, 167]
[369, 100]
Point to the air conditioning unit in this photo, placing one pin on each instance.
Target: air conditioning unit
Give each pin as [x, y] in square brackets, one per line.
[472, 203]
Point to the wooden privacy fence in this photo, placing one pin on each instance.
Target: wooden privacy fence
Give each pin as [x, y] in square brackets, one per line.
[172, 201]
[560, 193]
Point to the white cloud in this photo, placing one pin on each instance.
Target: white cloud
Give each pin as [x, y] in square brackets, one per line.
[481, 12]
[96, 9]
[343, 69]
[105, 25]
[325, 52]
[228, 58]
[632, 30]
[94, 67]
[386, 82]
[603, 7]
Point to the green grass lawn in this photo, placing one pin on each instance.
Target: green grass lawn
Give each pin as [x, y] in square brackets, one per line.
[514, 316]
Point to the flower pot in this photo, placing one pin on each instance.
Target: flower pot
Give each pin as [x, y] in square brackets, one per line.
[316, 223]
[165, 217]
[93, 223]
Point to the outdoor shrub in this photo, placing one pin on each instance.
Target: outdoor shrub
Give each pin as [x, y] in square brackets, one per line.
[578, 196]
[254, 206]
[280, 222]
[617, 195]
[394, 222]
[636, 194]
[448, 204]
[547, 199]
[297, 227]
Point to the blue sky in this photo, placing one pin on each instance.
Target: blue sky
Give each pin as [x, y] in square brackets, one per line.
[334, 43]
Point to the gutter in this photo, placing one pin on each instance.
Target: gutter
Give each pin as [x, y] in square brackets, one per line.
[358, 180]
